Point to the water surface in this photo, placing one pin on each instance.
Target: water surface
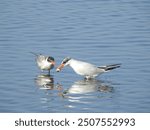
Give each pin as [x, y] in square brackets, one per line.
[97, 31]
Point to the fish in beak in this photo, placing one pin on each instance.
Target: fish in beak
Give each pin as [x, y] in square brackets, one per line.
[59, 68]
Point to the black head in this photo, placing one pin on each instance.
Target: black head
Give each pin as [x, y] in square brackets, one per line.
[50, 59]
[66, 60]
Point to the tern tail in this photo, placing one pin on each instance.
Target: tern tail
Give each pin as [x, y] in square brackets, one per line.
[110, 67]
[34, 53]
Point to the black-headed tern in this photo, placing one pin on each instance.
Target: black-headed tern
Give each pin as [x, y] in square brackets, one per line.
[86, 69]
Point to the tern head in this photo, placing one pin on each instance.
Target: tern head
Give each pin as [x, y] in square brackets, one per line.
[51, 60]
[65, 62]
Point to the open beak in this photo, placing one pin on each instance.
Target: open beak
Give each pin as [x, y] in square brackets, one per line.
[59, 68]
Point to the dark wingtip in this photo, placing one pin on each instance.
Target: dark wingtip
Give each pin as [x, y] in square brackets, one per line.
[110, 67]
[33, 53]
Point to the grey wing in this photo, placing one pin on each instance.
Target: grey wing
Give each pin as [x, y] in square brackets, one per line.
[109, 67]
[40, 59]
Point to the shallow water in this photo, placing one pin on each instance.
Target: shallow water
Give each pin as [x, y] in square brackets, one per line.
[98, 31]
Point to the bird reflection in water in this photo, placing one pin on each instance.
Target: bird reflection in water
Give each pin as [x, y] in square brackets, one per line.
[45, 81]
[85, 92]
[88, 86]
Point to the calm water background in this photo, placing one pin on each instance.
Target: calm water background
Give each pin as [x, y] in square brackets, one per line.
[98, 31]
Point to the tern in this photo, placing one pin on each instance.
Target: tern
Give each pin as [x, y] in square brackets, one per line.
[44, 62]
[88, 70]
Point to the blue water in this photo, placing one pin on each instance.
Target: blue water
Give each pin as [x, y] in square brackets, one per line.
[97, 31]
